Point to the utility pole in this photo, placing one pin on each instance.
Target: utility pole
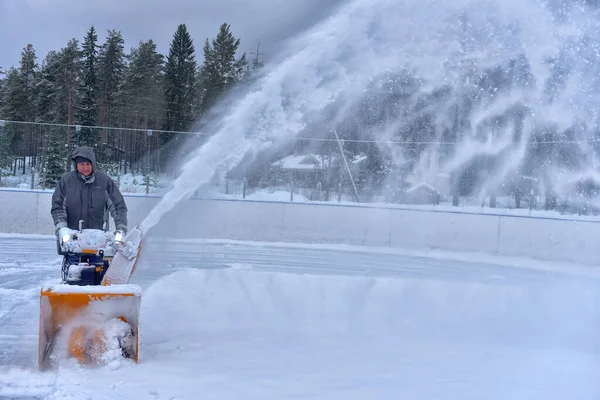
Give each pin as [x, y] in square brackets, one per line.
[256, 63]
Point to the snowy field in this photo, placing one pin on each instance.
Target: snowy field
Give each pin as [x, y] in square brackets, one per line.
[249, 320]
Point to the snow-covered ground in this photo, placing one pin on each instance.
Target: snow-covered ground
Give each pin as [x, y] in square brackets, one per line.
[134, 185]
[128, 183]
[242, 320]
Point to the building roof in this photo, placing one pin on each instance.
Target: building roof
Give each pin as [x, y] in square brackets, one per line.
[304, 162]
[309, 162]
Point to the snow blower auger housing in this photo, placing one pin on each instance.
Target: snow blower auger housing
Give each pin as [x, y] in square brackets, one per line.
[92, 315]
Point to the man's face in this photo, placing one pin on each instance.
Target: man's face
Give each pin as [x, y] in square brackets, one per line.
[84, 168]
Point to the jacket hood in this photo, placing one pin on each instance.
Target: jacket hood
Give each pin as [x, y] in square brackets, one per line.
[85, 152]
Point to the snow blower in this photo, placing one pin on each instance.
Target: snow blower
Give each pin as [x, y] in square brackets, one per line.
[92, 316]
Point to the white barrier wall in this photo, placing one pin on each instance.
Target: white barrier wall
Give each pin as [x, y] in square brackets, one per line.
[543, 238]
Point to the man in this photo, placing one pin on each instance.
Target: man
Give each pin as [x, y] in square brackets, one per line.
[87, 194]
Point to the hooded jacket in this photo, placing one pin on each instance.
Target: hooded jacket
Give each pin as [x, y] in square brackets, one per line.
[90, 199]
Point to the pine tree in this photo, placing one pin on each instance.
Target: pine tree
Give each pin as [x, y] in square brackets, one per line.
[4, 142]
[142, 99]
[67, 83]
[2, 86]
[19, 88]
[180, 81]
[5, 159]
[48, 107]
[27, 73]
[221, 69]
[180, 91]
[141, 92]
[11, 99]
[111, 69]
[18, 104]
[87, 112]
[54, 157]
[46, 99]
[12, 106]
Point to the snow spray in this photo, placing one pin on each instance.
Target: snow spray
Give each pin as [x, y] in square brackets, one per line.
[489, 73]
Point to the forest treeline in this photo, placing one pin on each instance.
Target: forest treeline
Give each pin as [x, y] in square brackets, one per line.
[101, 85]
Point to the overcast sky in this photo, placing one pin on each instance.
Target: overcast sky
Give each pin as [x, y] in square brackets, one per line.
[49, 24]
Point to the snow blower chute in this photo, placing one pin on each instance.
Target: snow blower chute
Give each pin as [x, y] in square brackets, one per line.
[93, 314]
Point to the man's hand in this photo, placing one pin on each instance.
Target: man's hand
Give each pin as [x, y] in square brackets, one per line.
[58, 227]
[119, 235]
[64, 233]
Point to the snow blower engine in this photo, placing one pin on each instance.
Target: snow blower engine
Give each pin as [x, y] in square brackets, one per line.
[85, 261]
[92, 315]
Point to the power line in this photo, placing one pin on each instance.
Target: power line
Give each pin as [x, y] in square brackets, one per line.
[97, 127]
[418, 142]
[374, 141]
[301, 138]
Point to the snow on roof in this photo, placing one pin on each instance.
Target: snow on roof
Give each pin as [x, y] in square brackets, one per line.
[359, 159]
[421, 186]
[308, 162]
[299, 162]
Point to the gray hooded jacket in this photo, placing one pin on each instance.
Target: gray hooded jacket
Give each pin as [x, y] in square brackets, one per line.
[87, 198]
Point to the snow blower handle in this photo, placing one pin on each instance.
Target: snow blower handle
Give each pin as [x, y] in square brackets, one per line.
[123, 263]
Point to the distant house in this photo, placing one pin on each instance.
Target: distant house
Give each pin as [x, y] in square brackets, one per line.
[305, 162]
[304, 169]
[422, 193]
[309, 170]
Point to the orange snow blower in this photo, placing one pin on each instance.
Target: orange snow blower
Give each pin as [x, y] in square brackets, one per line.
[92, 316]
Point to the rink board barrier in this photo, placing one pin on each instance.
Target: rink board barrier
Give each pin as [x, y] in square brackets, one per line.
[28, 212]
